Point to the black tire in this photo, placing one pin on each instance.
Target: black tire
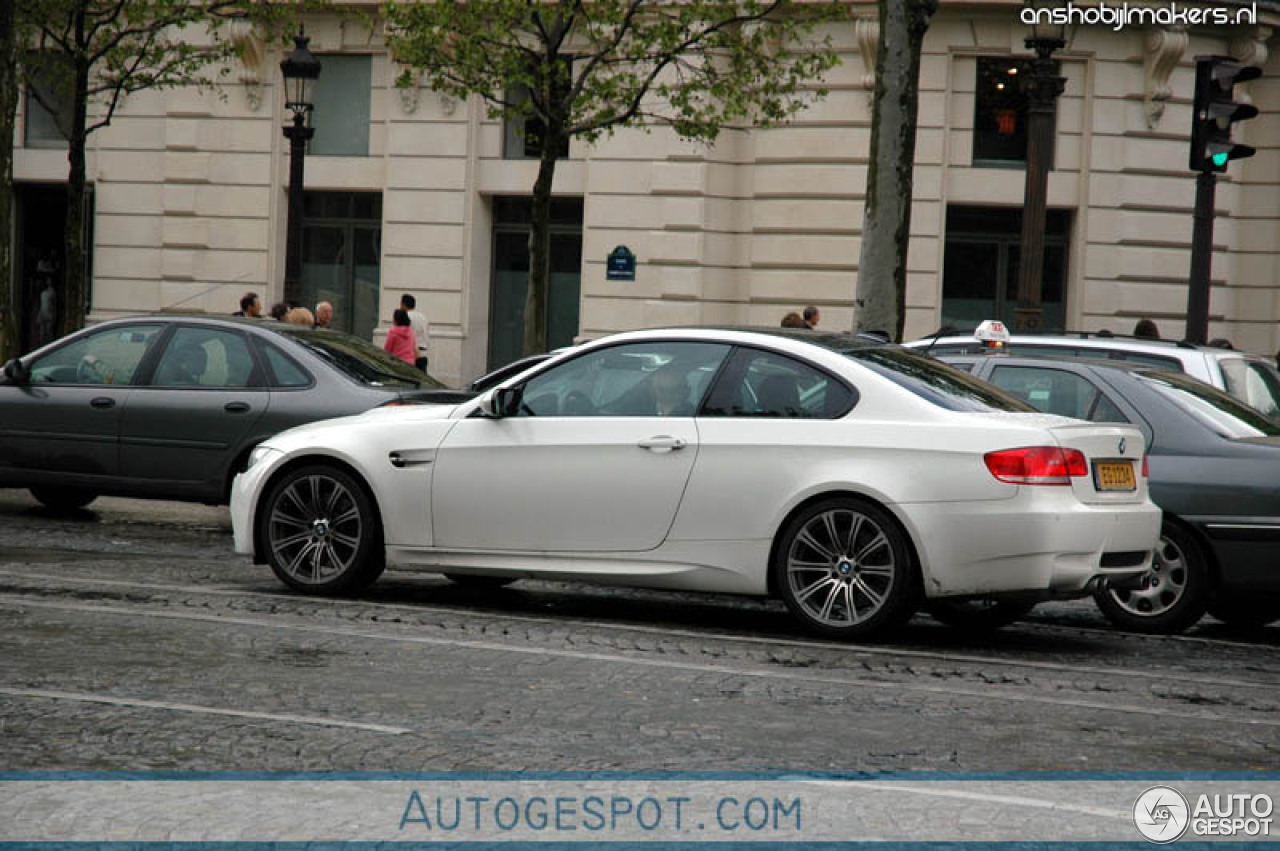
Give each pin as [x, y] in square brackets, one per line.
[981, 615]
[855, 554]
[1174, 592]
[63, 499]
[320, 531]
[1240, 611]
[469, 580]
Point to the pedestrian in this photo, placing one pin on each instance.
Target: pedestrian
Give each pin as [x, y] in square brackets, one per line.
[324, 314]
[421, 331]
[278, 311]
[250, 306]
[811, 316]
[1146, 330]
[300, 316]
[794, 320]
[400, 340]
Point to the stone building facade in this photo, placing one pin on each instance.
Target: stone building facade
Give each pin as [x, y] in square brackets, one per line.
[408, 191]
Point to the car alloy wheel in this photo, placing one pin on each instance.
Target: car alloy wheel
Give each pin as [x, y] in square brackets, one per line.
[844, 569]
[1171, 595]
[320, 531]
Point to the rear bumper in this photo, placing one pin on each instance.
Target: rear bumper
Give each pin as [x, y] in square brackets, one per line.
[1044, 544]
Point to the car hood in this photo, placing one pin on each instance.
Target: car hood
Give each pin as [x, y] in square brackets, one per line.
[311, 432]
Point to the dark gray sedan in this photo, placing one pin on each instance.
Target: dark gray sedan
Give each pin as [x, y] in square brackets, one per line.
[171, 406]
[1214, 469]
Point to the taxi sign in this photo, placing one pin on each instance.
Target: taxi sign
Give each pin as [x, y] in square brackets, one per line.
[993, 333]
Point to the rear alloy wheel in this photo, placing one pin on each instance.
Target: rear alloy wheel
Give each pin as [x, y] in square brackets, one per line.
[1173, 593]
[63, 499]
[320, 531]
[844, 569]
[1242, 612]
[980, 615]
[471, 580]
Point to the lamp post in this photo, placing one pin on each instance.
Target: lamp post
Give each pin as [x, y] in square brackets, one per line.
[1042, 87]
[300, 70]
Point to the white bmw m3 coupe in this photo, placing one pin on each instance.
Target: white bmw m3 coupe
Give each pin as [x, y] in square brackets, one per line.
[854, 479]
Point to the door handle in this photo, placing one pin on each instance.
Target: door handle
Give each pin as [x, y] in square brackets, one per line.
[103, 402]
[236, 407]
[662, 443]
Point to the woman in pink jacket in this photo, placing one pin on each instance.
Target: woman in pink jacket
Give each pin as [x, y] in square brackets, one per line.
[400, 341]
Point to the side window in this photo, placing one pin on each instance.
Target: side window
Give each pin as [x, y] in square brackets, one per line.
[1105, 411]
[285, 373]
[639, 380]
[1255, 384]
[105, 357]
[766, 384]
[204, 357]
[1053, 391]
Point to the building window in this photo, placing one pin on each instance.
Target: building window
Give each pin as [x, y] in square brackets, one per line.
[522, 135]
[1000, 113]
[49, 105]
[342, 95]
[980, 266]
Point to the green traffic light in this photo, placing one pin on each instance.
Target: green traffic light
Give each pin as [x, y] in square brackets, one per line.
[1220, 158]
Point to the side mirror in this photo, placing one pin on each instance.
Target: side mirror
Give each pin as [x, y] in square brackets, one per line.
[501, 402]
[17, 372]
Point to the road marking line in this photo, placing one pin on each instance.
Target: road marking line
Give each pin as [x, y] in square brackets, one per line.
[666, 664]
[679, 633]
[85, 697]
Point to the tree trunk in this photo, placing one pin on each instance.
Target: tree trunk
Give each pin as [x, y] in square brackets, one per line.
[75, 272]
[880, 304]
[535, 305]
[8, 108]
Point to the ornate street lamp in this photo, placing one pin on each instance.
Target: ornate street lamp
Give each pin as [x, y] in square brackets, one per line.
[1042, 87]
[300, 70]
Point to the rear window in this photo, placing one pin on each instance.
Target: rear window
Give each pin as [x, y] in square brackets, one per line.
[936, 382]
[362, 361]
[1216, 410]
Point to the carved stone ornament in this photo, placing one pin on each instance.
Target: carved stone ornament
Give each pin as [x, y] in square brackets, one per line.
[1164, 48]
[1250, 49]
[250, 50]
[867, 31]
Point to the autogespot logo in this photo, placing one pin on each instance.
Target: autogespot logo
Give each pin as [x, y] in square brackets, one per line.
[1161, 814]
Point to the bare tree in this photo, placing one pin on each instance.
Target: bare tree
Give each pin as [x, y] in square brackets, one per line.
[8, 108]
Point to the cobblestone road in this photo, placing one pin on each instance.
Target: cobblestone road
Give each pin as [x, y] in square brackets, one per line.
[132, 638]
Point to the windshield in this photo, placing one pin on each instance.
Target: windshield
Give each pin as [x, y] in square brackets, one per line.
[1213, 408]
[936, 382]
[362, 361]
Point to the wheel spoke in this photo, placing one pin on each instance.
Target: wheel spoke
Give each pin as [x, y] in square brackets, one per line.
[295, 538]
[825, 614]
[278, 516]
[829, 525]
[876, 543]
[873, 597]
[806, 538]
[298, 558]
[352, 513]
[876, 569]
[346, 540]
[854, 528]
[810, 590]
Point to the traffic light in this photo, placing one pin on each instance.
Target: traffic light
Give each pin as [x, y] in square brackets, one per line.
[1215, 112]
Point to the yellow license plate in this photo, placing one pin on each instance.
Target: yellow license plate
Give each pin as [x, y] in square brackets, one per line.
[1115, 476]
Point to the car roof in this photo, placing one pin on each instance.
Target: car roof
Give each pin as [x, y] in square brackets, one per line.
[1031, 359]
[836, 341]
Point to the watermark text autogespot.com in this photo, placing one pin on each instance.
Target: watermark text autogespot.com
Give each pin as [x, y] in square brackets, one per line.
[1117, 16]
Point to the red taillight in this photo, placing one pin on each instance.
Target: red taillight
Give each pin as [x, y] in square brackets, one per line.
[1146, 471]
[1037, 465]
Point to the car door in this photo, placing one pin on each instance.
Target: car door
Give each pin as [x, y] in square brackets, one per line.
[66, 418]
[769, 421]
[186, 420]
[596, 461]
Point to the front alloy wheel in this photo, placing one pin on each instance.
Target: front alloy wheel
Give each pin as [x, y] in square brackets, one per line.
[321, 532]
[1172, 594]
[844, 569]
